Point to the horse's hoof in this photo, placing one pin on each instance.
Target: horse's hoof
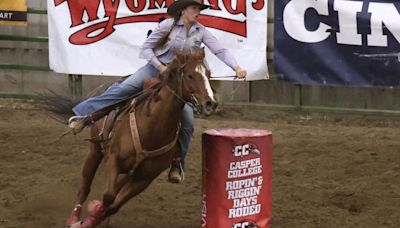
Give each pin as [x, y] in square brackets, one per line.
[95, 208]
[88, 223]
[91, 222]
[75, 215]
[75, 225]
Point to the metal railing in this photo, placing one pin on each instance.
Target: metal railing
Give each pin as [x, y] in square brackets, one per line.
[74, 81]
[37, 39]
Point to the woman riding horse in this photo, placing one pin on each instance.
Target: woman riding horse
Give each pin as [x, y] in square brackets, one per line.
[182, 33]
[144, 142]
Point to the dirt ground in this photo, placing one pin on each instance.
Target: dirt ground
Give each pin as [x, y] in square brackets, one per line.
[328, 171]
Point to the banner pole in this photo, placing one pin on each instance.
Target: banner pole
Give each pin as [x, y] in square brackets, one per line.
[75, 85]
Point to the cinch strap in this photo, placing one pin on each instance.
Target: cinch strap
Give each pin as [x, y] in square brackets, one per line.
[142, 154]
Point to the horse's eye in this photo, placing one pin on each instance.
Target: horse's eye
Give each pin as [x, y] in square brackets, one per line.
[190, 77]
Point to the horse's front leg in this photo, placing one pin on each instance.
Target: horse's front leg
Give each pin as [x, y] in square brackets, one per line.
[97, 208]
[98, 212]
[129, 190]
[112, 177]
[141, 179]
[90, 167]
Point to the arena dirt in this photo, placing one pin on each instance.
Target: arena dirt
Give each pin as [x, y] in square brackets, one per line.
[328, 172]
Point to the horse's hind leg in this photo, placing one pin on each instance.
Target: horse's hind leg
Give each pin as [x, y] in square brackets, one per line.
[92, 162]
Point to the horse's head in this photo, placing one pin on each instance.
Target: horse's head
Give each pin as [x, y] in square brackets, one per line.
[194, 84]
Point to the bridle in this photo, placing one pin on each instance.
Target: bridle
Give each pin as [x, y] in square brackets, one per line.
[194, 103]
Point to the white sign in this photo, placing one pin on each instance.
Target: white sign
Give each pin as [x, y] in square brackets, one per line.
[383, 15]
[103, 37]
[244, 192]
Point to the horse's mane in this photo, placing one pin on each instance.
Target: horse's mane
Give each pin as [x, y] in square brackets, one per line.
[152, 86]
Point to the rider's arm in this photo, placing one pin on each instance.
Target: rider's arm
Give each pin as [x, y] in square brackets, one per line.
[217, 49]
[146, 50]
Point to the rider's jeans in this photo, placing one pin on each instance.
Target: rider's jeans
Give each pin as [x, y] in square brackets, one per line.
[134, 84]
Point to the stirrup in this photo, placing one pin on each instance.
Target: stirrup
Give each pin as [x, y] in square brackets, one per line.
[176, 174]
[77, 124]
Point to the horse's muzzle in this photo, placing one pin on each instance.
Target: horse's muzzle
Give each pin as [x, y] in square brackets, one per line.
[209, 107]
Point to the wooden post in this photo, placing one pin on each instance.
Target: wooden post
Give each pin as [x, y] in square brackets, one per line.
[75, 85]
[298, 96]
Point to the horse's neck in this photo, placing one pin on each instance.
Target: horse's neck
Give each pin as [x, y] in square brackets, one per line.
[163, 120]
[169, 105]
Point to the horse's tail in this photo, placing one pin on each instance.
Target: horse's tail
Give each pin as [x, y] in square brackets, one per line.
[59, 106]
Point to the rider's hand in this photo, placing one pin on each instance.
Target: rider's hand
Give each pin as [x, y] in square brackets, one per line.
[162, 68]
[240, 73]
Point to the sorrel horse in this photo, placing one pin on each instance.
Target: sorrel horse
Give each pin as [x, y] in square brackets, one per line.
[144, 140]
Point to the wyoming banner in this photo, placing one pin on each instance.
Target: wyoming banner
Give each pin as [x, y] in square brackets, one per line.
[13, 12]
[103, 37]
[338, 42]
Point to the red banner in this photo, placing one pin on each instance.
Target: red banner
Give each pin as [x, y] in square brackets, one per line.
[237, 184]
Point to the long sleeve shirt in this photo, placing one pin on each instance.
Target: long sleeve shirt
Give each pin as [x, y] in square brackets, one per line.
[182, 43]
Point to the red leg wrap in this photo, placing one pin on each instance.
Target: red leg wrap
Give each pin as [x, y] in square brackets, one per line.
[96, 217]
[75, 215]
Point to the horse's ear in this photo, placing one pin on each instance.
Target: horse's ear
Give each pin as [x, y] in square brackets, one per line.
[199, 54]
[202, 52]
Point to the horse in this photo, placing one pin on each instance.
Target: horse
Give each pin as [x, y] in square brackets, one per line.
[144, 138]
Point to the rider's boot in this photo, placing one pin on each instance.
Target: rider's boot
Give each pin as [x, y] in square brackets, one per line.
[176, 174]
[77, 123]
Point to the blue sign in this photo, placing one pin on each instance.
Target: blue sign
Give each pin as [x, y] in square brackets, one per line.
[338, 42]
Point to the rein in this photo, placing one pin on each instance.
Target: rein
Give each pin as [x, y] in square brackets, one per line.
[234, 91]
[234, 77]
[141, 153]
[194, 104]
[195, 107]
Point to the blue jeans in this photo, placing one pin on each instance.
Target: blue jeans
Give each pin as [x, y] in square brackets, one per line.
[134, 84]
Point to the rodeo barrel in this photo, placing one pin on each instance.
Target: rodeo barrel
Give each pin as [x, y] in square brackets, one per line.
[237, 184]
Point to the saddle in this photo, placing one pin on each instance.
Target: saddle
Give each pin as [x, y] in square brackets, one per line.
[107, 129]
